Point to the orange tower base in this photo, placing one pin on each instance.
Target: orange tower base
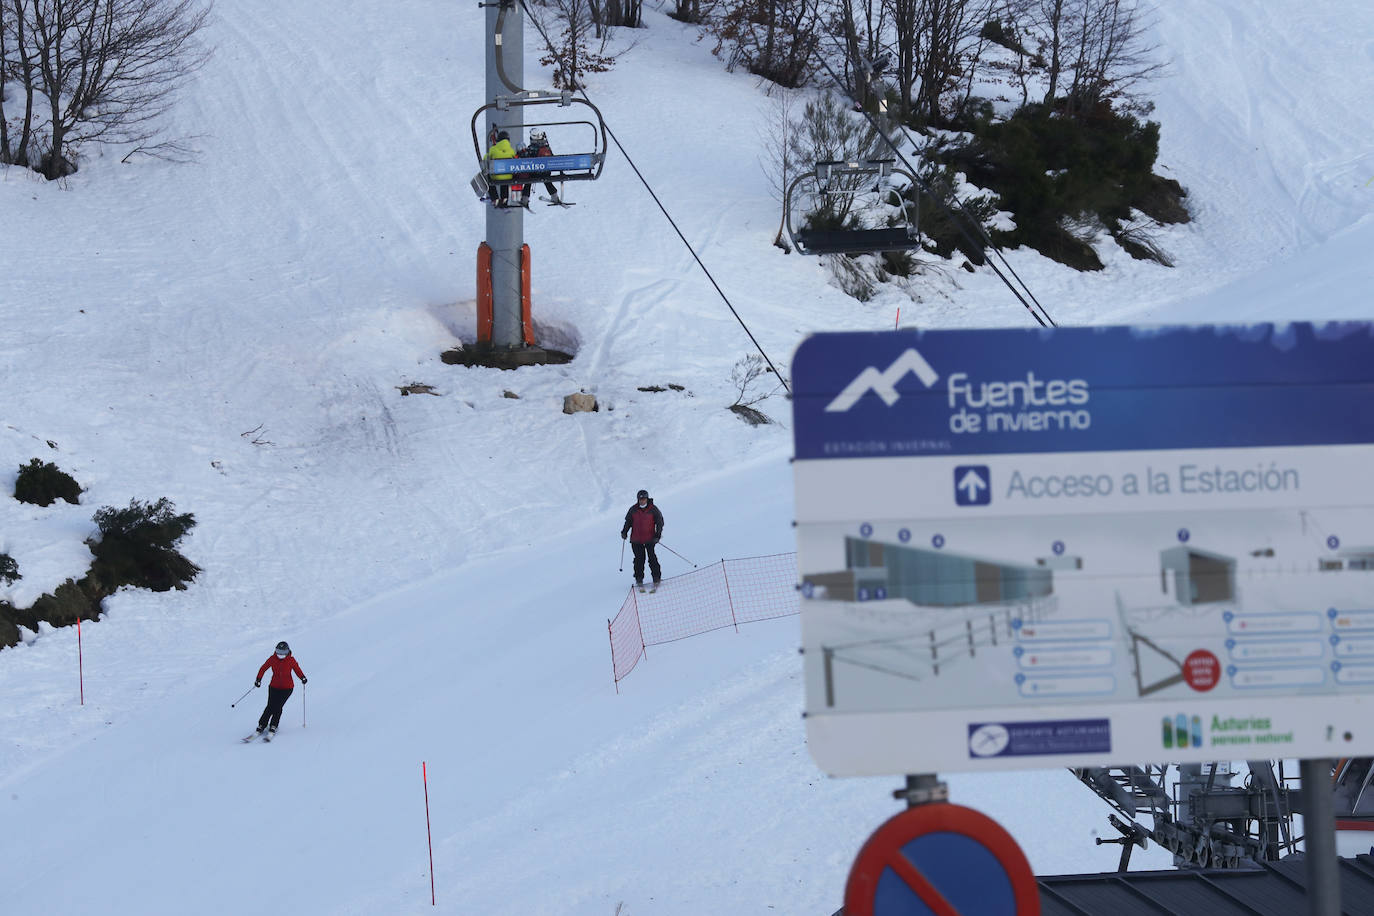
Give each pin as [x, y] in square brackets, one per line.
[485, 298]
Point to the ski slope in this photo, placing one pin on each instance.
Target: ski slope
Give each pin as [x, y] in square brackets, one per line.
[232, 334]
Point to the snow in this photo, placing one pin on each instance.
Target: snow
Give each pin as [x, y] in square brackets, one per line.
[232, 334]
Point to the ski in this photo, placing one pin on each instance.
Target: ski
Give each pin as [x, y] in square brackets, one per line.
[250, 737]
[557, 203]
[267, 737]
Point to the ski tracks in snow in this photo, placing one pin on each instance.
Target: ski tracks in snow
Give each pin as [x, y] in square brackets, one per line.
[375, 181]
[1275, 170]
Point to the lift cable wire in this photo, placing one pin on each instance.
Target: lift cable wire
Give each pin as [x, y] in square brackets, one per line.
[644, 181]
[1041, 316]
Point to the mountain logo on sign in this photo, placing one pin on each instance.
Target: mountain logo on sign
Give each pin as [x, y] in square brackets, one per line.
[883, 382]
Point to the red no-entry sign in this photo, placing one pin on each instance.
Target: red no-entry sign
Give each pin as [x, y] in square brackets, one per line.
[941, 860]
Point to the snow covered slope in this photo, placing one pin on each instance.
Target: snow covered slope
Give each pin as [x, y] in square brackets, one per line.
[232, 334]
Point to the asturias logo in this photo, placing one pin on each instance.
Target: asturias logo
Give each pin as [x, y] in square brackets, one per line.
[883, 382]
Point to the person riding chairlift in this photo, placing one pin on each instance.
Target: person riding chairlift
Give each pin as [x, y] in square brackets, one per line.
[501, 149]
[539, 146]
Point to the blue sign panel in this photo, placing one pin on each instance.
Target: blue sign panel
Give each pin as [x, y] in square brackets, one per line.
[576, 162]
[972, 485]
[895, 394]
[1018, 739]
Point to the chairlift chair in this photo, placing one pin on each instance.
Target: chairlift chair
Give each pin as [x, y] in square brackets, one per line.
[827, 178]
[560, 167]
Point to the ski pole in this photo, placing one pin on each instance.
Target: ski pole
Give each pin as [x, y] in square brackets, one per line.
[675, 553]
[245, 693]
[622, 554]
[302, 706]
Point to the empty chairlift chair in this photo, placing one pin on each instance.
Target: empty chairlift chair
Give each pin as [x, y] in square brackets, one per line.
[850, 179]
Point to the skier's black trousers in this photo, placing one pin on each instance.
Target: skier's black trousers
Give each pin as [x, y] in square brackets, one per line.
[642, 550]
[276, 699]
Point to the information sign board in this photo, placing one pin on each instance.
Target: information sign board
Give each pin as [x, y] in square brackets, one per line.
[1085, 546]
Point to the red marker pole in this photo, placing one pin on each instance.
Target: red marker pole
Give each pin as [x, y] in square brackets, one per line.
[424, 773]
[896, 324]
[80, 662]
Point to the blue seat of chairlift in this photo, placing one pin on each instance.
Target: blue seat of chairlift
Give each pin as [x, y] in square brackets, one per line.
[854, 241]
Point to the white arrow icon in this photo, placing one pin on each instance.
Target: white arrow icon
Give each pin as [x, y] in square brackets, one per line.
[971, 483]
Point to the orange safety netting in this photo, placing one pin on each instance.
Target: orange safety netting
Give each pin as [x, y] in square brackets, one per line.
[723, 594]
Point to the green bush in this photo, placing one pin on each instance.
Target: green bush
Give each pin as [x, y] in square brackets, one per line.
[948, 224]
[68, 603]
[137, 547]
[9, 570]
[1048, 169]
[998, 33]
[9, 625]
[42, 483]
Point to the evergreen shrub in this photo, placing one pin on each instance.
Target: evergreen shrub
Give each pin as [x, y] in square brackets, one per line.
[1050, 170]
[9, 626]
[69, 602]
[42, 483]
[137, 547]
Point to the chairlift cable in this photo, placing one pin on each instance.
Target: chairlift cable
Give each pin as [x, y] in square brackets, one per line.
[644, 181]
[962, 224]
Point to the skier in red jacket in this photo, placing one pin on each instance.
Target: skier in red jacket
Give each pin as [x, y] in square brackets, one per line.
[644, 526]
[282, 663]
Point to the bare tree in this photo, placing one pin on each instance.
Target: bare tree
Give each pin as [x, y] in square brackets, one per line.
[1014, 16]
[106, 70]
[1053, 23]
[774, 39]
[16, 65]
[583, 42]
[950, 31]
[828, 130]
[909, 45]
[1111, 55]
[612, 13]
[779, 157]
[863, 24]
[935, 42]
[1098, 46]
[687, 11]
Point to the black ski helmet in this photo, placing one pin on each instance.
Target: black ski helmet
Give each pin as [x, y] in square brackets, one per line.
[283, 647]
[642, 494]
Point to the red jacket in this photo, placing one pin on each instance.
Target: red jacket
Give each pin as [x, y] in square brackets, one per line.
[644, 525]
[281, 670]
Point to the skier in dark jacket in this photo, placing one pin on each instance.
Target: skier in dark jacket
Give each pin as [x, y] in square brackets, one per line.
[282, 663]
[539, 146]
[644, 526]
